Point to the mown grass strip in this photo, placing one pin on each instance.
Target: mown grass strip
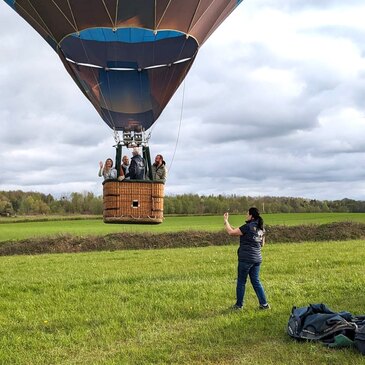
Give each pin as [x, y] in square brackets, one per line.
[18, 231]
[171, 306]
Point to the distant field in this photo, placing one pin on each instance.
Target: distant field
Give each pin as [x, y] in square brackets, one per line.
[171, 306]
[17, 231]
[44, 218]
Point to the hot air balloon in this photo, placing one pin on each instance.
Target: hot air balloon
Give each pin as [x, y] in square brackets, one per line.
[128, 57]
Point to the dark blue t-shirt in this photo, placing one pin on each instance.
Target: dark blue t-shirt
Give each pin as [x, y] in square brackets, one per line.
[250, 243]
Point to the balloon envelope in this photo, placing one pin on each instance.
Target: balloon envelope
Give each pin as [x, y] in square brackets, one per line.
[127, 56]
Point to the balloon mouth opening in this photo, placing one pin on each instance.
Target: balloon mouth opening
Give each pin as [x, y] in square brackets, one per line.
[127, 68]
[140, 49]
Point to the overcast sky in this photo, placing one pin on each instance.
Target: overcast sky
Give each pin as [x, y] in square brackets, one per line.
[274, 105]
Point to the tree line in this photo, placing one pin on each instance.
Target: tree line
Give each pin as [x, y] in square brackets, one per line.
[30, 203]
[218, 204]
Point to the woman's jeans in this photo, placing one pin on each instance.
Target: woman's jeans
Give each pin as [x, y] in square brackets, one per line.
[253, 270]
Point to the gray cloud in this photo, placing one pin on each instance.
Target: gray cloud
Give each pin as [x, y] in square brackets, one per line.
[272, 106]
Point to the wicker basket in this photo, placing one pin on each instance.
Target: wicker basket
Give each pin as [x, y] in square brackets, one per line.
[133, 201]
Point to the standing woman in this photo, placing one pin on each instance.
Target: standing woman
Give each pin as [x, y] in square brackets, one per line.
[249, 256]
[107, 171]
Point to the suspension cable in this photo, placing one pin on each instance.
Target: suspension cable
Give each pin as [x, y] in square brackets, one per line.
[179, 129]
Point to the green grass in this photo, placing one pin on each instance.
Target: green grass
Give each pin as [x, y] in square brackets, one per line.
[170, 306]
[17, 231]
[44, 217]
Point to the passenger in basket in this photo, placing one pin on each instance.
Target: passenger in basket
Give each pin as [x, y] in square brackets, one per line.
[137, 166]
[124, 169]
[159, 170]
[107, 170]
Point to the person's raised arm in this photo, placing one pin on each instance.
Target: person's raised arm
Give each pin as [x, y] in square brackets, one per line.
[100, 169]
[230, 230]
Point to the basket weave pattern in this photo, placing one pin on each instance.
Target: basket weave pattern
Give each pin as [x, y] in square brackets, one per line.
[133, 201]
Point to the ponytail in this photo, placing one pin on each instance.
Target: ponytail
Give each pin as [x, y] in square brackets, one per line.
[260, 223]
[256, 216]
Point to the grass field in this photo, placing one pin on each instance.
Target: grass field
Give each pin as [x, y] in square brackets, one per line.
[17, 231]
[171, 306]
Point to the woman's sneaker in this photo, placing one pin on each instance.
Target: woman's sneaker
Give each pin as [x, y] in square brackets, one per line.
[236, 307]
[264, 306]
